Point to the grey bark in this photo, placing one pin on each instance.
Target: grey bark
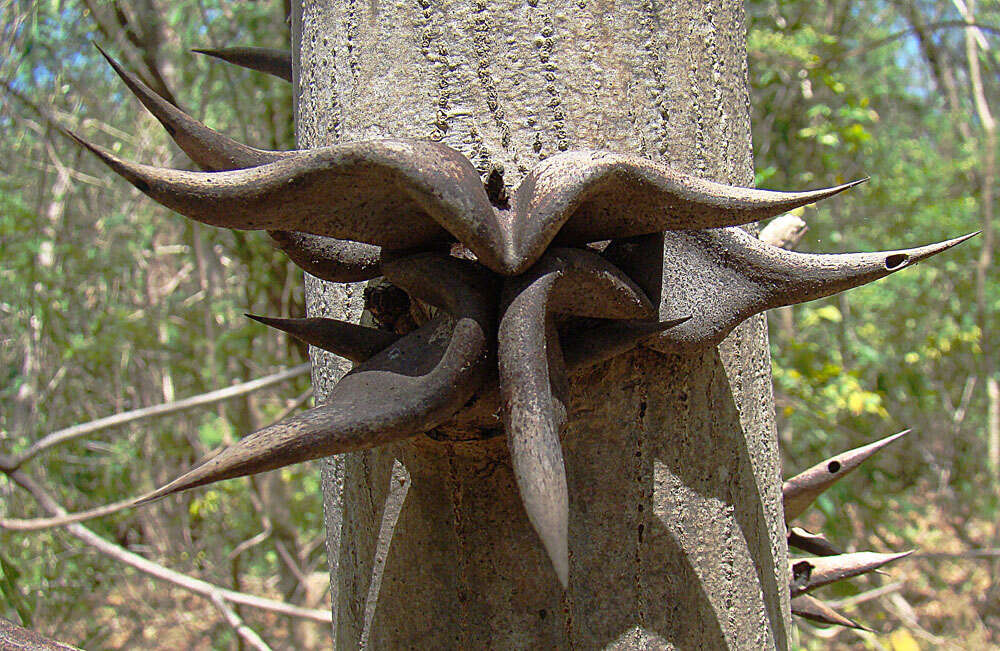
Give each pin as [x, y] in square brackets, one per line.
[676, 535]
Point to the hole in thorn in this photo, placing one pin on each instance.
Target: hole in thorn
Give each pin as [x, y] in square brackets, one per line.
[141, 185]
[495, 189]
[896, 260]
[833, 467]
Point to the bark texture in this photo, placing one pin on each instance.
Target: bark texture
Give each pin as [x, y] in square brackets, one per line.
[676, 534]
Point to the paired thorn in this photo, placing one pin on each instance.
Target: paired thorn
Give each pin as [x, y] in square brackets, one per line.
[811, 608]
[340, 192]
[413, 385]
[262, 59]
[208, 148]
[588, 196]
[326, 258]
[801, 490]
[811, 573]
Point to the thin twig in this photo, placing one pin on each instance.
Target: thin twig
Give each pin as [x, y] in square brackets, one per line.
[969, 553]
[76, 431]
[36, 524]
[236, 623]
[122, 555]
[868, 595]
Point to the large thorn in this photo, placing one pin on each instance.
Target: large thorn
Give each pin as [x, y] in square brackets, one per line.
[723, 276]
[398, 194]
[208, 148]
[355, 342]
[324, 257]
[587, 196]
[812, 543]
[262, 59]
[532, 381]
[338, 261]
[811, 573]
[801, 490]
[410, 387]
[811, 608]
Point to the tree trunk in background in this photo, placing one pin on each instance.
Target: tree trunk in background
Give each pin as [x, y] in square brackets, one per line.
[676, 534]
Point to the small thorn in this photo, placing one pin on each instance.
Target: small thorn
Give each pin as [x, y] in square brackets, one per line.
[812, 543]
[594, 345]
[811, 608]
[800, 491]
[268, 60]
[810, 573]
[333, 260]
[355, 342]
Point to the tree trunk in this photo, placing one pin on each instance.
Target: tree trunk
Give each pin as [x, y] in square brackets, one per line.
[676, 532]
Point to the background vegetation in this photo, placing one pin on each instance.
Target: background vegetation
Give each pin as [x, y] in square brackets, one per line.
[109, 303]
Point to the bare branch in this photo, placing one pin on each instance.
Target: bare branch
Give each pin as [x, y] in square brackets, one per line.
[236, 623]
[76, 431]
[122, 555]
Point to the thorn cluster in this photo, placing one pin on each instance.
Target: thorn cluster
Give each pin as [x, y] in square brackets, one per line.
[509, 280]
[828, 564]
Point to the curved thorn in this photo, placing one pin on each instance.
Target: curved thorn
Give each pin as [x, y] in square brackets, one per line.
[593, 345]
[410, 387]
[812, 543]
[799, 492]
[398, 194]
[581, 350]
[723, 276]
[350, 340]
[811, 573]
[811, 608]
[262, 59]
[586, 196]
[533, 419]
[208, 148]
[532, 381]
[330, 259]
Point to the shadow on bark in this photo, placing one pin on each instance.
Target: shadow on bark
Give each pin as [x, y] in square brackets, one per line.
[462, 539]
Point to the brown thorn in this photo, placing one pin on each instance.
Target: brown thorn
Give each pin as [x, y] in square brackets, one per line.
[350, 340]
[812, 543]
[340, 192]
[532, 376]
[798, 492]
[593, 345]
[330, 259]
[208, 148]
[811, 608]
[262, 59]
[412, 386]
[587, 196]
[810, 573]
[746, 276]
